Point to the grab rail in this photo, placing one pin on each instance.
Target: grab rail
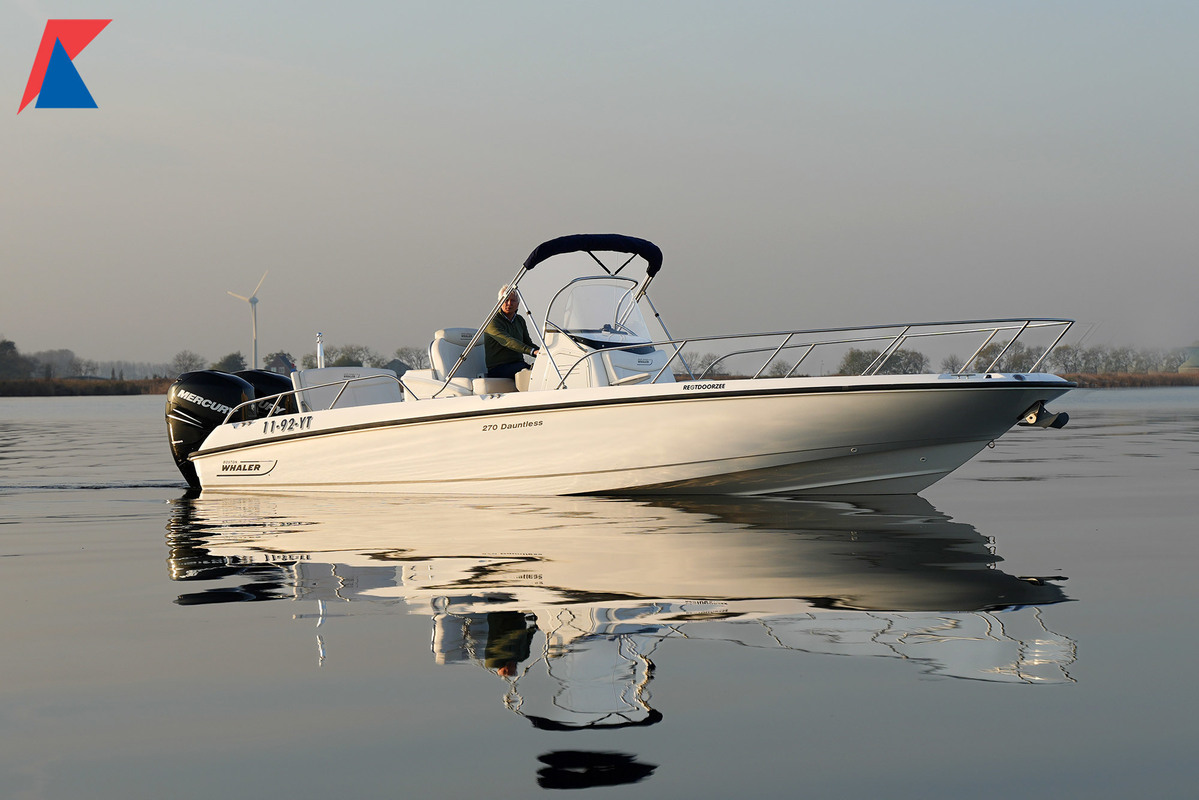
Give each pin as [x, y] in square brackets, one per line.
[894, 343]
[812, 339]
[344, 384]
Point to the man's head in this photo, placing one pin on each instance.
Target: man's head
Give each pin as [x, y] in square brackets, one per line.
[509, 302]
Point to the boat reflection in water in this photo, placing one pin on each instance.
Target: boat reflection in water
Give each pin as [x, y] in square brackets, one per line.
[568, 598]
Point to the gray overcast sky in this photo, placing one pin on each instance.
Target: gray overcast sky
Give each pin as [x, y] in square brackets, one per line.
[801, 164]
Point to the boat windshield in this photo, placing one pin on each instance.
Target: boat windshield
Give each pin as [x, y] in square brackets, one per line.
[599, 312]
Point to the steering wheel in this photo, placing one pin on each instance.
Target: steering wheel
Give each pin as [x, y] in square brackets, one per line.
[619, 327]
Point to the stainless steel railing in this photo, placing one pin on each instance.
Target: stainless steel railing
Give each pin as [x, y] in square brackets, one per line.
[343, 384]
[891, 337]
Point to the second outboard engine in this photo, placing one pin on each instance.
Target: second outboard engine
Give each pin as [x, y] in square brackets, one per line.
[197, 403]
[266, 384]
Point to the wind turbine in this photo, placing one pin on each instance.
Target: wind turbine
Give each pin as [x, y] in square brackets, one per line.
[253, 301]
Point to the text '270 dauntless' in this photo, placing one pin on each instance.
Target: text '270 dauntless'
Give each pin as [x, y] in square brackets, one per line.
[613, 403]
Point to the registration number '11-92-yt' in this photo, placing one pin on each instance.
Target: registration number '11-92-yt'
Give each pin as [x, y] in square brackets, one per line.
[286, 425]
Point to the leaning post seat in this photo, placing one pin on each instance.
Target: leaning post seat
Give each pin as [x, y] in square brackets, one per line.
[471, 378]
[447, 347]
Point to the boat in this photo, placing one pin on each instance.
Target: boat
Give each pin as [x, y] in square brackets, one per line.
[614, 404]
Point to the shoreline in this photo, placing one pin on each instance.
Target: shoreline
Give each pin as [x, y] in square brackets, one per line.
[82, 387]
[1119, 380]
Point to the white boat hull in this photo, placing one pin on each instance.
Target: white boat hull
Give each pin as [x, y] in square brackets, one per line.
[825, 436]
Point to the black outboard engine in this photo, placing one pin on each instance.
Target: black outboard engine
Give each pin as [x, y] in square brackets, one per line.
[266, 384]
[197, 403]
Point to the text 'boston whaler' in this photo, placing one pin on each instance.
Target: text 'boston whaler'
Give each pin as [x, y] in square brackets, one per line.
[612, 405]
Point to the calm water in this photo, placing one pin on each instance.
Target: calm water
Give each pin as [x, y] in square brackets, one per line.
[1027, 627]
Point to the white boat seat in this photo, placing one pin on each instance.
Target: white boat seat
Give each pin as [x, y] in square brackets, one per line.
[420, 387]
[447, 347]
[381, 387]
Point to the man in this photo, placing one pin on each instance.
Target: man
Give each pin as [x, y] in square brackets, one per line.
[506, 339]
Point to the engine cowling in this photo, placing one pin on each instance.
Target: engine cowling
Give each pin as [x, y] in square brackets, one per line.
[266, 384]
[197, 403]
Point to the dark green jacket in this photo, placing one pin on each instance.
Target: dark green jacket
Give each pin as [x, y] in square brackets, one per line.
[505, 340]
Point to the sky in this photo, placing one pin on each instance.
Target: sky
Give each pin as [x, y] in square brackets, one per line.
[801, 165]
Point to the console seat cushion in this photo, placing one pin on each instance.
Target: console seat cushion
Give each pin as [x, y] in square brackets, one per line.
[494, 385]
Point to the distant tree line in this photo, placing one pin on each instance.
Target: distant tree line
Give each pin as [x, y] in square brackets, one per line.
[1066, 359]
[1069, 359]
[1075, 360]
[281, 361]
[59, 364]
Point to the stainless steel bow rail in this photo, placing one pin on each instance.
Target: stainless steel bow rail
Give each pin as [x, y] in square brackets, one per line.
[890, 338]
